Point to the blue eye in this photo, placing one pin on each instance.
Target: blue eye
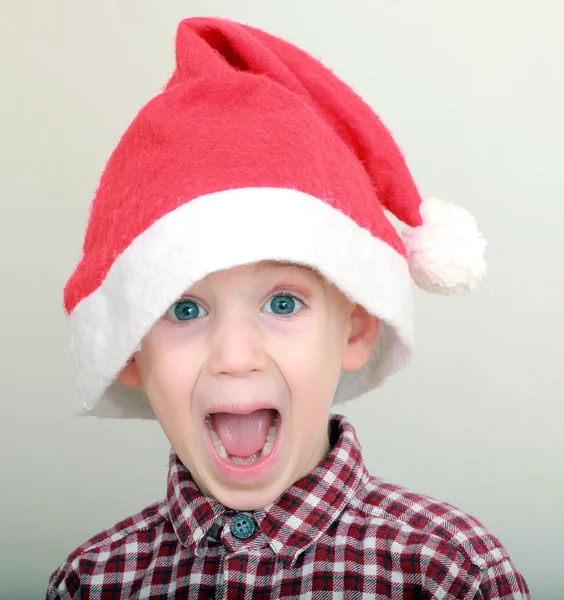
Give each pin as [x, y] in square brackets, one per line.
[189, 310]
[185, 310]
[284, 304]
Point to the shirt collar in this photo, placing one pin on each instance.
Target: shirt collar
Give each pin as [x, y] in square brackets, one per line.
[298, 518]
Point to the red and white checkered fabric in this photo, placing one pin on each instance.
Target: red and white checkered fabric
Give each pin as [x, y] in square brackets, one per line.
[337, 533]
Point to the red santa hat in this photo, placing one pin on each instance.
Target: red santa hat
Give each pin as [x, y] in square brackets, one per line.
[254, 150]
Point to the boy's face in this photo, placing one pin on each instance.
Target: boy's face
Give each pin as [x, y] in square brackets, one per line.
[241, 373]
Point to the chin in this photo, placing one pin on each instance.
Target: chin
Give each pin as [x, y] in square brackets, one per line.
[247, 500]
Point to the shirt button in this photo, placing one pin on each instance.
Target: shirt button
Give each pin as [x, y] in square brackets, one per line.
[242, 526]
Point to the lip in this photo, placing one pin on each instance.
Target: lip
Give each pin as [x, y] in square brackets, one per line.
[243, 409]
[240, 474]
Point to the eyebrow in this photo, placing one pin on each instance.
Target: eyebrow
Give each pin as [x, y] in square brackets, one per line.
[281, 264]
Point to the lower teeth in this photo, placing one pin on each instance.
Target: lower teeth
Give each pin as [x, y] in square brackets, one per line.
[247, 460]
[218, 445]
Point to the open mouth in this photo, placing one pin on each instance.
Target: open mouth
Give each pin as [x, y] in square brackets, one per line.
[244, 439]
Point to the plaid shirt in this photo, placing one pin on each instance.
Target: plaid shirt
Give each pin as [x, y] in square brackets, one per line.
[337, 533]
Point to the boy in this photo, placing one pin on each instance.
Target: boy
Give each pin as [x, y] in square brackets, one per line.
[239, 275]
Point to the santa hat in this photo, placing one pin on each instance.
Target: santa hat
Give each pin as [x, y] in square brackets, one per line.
[254, 151]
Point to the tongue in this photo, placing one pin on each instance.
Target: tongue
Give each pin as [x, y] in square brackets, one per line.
[242, 435]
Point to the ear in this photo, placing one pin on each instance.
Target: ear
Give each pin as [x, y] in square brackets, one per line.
[364, 329]
[130, 374]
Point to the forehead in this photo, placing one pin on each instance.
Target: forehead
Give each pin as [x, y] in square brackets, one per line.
[285, 269]
[286, 265]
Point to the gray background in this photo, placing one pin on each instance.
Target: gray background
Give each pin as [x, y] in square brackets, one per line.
[473, 92]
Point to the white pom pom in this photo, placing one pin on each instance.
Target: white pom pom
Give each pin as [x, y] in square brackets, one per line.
[446, 253]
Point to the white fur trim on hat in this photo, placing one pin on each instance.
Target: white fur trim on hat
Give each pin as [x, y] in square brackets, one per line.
[219, 231]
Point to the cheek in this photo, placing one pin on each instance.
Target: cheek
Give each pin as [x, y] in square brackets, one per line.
[312, 363]
[168, 377]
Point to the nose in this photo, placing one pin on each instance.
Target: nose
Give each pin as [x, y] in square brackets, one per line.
[237, 346]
